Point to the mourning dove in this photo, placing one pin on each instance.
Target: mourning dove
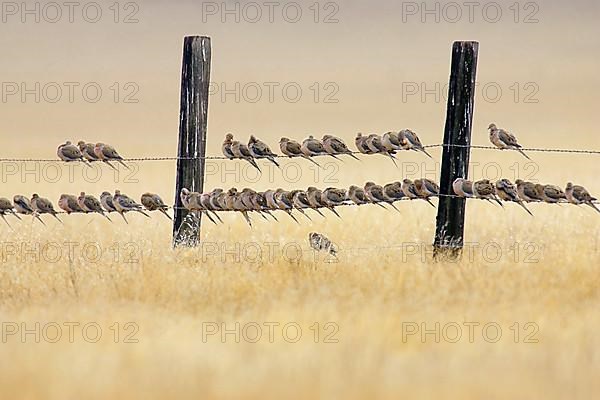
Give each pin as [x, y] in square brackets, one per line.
[212, 203]
[527, 191]
[357, 195]
[6, 207]
[241, 151]
[507, 191]
[462, 187]
[191, 201]
[291, 148]
[259, 149]
[484, 189]
[374, 193]
[153, 202]
[391, 142]
[374, 143]
[335, 146]
[226, 148]
[42, 205]
[411, 141]
[300, 201]
[313, 147]
[90, 204]
[248, 199]
[551, 193]
[23, 206]
[69, 153]
[426, 188]
[68, 203]
[282, 202]
[87, 150]
[124, 203]
[361, 145]
[259, 201]
[577, 194]
[393, 192]
[106, 199]
[108, 153]
[409, 189]
[234, 203]
[333, 197]
[504, 140]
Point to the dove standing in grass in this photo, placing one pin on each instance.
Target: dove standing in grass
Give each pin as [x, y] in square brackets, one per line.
[577, 194]
[320, 242]
[69, 152]
[504, 140]
[241, 151]
[551, 194]
[507, 191]
[42, 205]
[335, 146]
[484, 189]
[411, 141]
[426, 188]
[153, 202]
[124, 203]
[90, 204]
[259, 149]
[108, 153]
[87, 150]
[462, 187]
[527, 191]
[68, 203]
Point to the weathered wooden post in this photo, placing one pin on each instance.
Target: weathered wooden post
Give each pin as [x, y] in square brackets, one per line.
[449, 236]
[193, 115]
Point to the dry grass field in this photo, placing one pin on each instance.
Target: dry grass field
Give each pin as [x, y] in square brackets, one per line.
[245, 315]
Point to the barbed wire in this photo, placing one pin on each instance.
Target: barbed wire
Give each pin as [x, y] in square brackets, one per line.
[175, 158]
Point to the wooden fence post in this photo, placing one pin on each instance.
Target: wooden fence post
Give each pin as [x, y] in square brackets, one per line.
[457, 139]
[193, 114]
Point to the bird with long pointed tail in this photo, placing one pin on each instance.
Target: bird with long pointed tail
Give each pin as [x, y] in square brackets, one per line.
[507, 191]
[259, 149]
[527, 191]
[279, 200]
[577, 194]
[374, 143]
[462, 187]
[235, 203]
[333, 197]
[292, 148]
[426, 188]
[87, 150]
[226, 147]
[191, 202]
[23, 206]
[246, 199]
[41, 205]
[259, 202]
[207, 205]
[358, 195]
[336, 146]
[68, 152]
[107, 153]
[392, 192]
[360, 141]
[410, 141]
[241, 151]
[153, 202]
[68, 203]
[90, 204]
[551, 194]
[124, 203]
[391, 141]
[6, 207]
[300, 202]
[409, 189]
[486, 190]
[106, 199]
[374, 193]
[504, 140]
[313, 147]
[315, 200]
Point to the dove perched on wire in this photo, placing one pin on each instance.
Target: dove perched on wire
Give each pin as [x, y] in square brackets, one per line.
[426, 188]
[241, 151]
[527, 191]
[153, 202]
[313, 147]
[409, 189]
[577, 194]
[320, 242]
[462, 187]
[410, 141]
[42, 205]
[391, 141]
[504, 140]
[68, 203]
[259, 149]
[550, 193]
[507, 191]
[484, 189]
[279, 199]
[301, 201]
[374, 143]
[107, 153]
[374, 193]
[124, 203]
[336, 146]
[90, 204]
[360, 142]
[357, 195]
[87, 150]
[68, 152]
[292, 148]
[23, 206]
[6, 207]
[333, 197]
